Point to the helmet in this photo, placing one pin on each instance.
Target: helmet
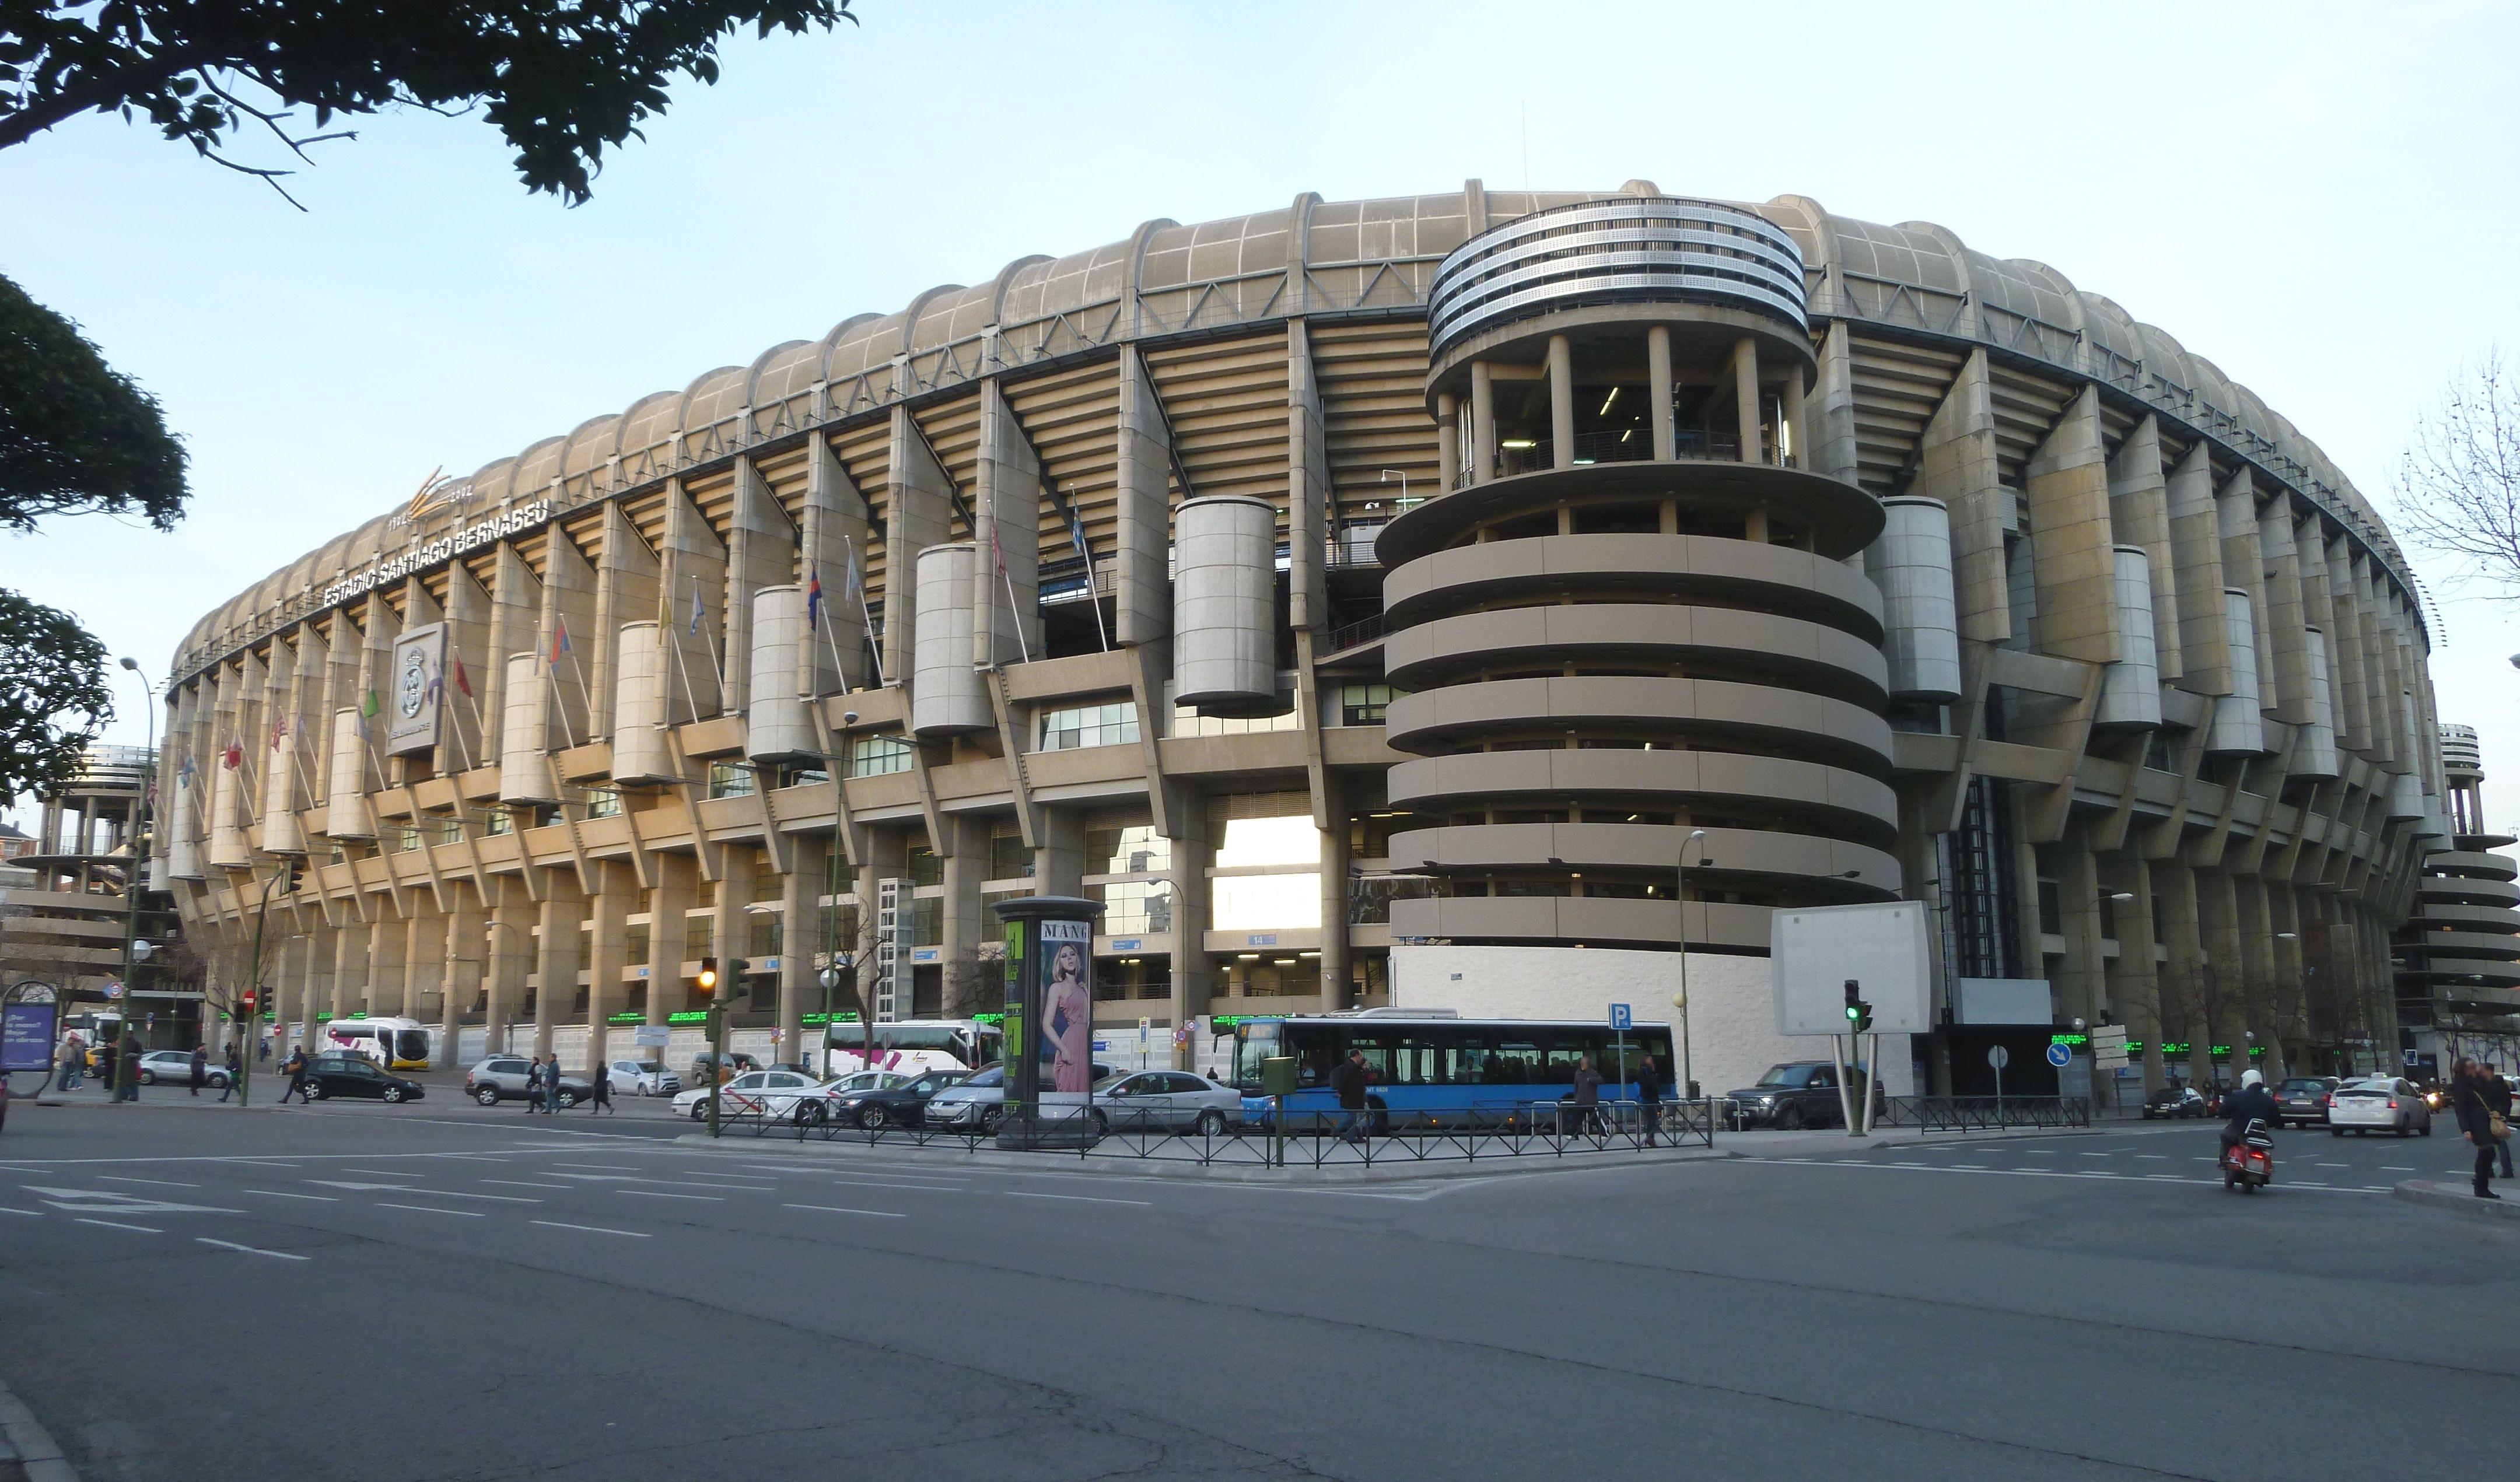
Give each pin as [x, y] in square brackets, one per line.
[2252, 1078]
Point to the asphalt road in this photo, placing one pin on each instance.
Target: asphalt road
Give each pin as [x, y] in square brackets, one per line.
[438, 1292]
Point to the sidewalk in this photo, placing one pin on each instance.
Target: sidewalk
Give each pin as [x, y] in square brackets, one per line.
[2459, 1200]
[26, 1449]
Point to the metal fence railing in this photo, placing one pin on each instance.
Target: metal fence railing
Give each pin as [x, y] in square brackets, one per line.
[1263, 1140]
[1974, 1113]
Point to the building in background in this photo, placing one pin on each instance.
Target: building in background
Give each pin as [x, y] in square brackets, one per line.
[1368, 602]
[2458, 959]
[63, 923]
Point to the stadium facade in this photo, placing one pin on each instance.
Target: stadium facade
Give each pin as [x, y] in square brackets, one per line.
[1370, 601]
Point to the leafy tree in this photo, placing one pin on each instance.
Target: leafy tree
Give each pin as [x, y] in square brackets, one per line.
[76, 436]
[53, 696]
[561, 79]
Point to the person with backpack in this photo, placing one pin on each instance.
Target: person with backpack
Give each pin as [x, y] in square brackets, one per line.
[236, 1073]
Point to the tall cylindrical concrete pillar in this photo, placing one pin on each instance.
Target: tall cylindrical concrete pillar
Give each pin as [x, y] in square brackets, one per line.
[1224, 644]
[2237, 725]
[640, 754]
[945, 693]
[345, 812]
[1912, 565]
[2314, 750]
[228, 848]
[524, 771]
[774, 722]
[2131, 688]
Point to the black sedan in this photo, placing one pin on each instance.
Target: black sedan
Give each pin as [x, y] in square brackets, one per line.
[353, 1076]
[2303, 1100]
[2173, 1102]
[901, 1105]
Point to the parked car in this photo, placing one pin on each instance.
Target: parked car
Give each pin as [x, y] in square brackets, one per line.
[502, 1078]
[736, 1062]
[177, 1065]
[1796, 1094]
[901, 1105]
[341, 1073]
[2302, 1100]
[975, 1104]
[753, 1092]
[1171, 1100]
[640, 1079]
[2379, 1103]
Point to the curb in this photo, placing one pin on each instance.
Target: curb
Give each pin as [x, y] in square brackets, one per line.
[1302, 1175]
[2441, 1195]
[25, 1443]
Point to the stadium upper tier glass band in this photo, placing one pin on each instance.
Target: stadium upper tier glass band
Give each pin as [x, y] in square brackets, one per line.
[1369, 603]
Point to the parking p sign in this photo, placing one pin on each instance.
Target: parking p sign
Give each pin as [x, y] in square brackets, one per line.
[1622, 1017]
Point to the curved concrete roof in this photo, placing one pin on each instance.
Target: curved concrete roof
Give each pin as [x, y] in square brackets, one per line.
[1374, 250]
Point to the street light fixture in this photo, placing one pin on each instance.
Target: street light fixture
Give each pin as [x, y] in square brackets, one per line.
[1680, 1000]
[127, 1068]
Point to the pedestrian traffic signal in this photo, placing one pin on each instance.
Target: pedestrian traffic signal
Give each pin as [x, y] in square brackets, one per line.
[1858, 1014]
[708, 976]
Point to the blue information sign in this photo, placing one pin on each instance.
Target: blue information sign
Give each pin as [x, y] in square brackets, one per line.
[2060, 1056]
[1621, 1016]
[26, 1035]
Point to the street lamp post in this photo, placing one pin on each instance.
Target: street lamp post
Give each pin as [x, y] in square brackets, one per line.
[134, 882]
[1679, 893]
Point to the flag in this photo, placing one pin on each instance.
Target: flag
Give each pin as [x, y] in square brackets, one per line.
[560, 639]
[1076, 537]
[997, 553]
[368, 707]
[812, 597]
[234, 756]
[184, 774]
[279, 731]
[695, 606]
[856, 583]
[463, 681]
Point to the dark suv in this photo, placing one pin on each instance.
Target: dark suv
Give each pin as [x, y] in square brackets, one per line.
[1797, 1094]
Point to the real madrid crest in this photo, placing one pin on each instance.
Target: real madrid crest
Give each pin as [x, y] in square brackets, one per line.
[413, 690]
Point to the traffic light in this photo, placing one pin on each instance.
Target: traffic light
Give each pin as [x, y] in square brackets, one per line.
[1858, 1014]
[293, 874]
[709, 976]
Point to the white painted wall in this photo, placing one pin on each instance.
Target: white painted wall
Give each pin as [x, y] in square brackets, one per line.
[1732, 1013]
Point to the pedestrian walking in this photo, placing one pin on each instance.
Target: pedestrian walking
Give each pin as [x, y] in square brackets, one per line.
[201, 1067]
[602, 1100]
[262, 1050]
[2476, 1122]
[1650, 1095]
[126, 1073]
[2498, 1100]
[1587, 1095]
[236, 1072]
[73, 1059]
[295, 1065]
[1347, 1083]
[550, 1085]
[534, 1086]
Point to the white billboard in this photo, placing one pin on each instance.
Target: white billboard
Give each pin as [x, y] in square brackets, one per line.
[1814, 951]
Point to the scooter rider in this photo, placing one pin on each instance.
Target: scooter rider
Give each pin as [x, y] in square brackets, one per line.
[2249, 1103]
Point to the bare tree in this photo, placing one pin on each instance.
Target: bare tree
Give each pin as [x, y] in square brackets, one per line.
[2458, 484]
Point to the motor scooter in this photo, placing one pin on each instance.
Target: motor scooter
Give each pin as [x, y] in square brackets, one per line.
[2249, 1165]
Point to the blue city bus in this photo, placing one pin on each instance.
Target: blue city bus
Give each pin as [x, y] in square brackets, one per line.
[1440, 1070]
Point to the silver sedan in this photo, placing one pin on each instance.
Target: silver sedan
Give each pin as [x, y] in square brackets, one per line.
[1169, 1100]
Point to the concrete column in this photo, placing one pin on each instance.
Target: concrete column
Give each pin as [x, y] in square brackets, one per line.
[2140, 514]
[1142, 604]
[2196, 551]
[917, 511]
[351, 969]
[465, 952]
[1658, 392]
[800, 894]
[668, 902]
[625, 592]
[568, 602]
[1957, 463]
[1059, 860]
[2134, 982]
[730, 924]
[2218, 916]
[694, 571]
[1448, 443]
[836, 536]
[1562, 401]
[1793, 430]
[2081, 982]
[617, 891]
[1308, 487]
[760, 552]
[968, 924]
[556, 954]
[388, 947]
[1483, 430]
[511, 953]
[2072, 541]
[1334, 862]
[2185, 985]
[1192, 853]
[423, 960]
[1006, 535]
[1745, 397]
[515, 607]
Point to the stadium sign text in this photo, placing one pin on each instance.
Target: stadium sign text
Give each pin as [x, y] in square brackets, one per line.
[513, 521]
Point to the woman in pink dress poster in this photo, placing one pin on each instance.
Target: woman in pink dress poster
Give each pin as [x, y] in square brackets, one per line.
[1067, 1017]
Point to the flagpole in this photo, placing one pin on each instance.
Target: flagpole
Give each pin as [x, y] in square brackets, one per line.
[999, 555]
[1085, 548]
[551, 676]
[700, 611]
[866, 613]
[584, 691]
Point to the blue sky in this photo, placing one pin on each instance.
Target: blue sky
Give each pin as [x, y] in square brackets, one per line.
[2318, 198]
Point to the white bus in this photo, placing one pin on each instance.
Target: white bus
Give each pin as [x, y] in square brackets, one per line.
[394, 1044]
[912, 1045]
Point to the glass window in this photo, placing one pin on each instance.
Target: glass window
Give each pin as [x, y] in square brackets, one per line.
[1134, 849]
[450, 829]
[926, 922]
[878, 755]
[730, 779]
[1072, 728]
[1136, 907]
[697, 933]
[603, 802]
[407, 838]
[1260, 901]
[920, 864]
[1363, 704]
[498, 821]
[799, 774]
[637, 946]
[1250, 842]
[769, 935]
[1008, 858]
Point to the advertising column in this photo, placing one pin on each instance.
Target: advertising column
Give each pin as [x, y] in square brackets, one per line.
[1049, 1019]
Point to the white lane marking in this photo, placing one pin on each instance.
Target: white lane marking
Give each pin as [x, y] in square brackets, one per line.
[602, 1167]
[2031, 1173]
[1087, 1198]
[112, 1178]
[2394, 1168]
[470, 1214]
[714, 1184]
[2158, 1157]
[2310, 1184]
[277, 1255]
[658, 1194]
[1980, 1167]
[636, 1234]
[258, 1162]
[2331, 1165]
[358, 1188]
[498, 1199]
[525, 1184]
[32, 1214]
[118, 1224]
[2095, 1154]
[915, 1188]
[879, 1214]
[274, 1193]
[109, 1201]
